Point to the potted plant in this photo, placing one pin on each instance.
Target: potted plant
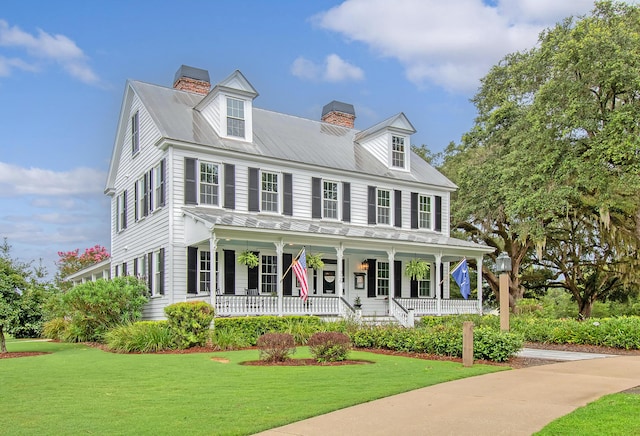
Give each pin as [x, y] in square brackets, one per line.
[357, 303]
[314, 261]
[248, 258]
[417, 269]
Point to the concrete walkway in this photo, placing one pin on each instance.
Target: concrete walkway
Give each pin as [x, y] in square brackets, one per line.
[514, 402]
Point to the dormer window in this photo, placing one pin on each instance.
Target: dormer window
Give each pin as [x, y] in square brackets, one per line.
[397, 152]
[235, 117]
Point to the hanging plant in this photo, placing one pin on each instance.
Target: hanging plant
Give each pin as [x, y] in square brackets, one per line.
[315, 261]
[248, 258]
[417, 269]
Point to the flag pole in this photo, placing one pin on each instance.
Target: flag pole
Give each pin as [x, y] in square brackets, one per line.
[296, 258]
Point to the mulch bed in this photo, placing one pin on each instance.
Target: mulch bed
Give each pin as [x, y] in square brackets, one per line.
[11, 355]
[305, 362]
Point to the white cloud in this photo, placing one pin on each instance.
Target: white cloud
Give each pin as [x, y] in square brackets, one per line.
[15, 180]
[8, 64]
[44, 46]
[451, 44]
[334, 69]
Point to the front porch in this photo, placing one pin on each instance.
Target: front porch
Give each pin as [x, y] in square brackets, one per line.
[402, 310]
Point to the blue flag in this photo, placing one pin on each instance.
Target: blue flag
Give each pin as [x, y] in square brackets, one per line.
[461, 275]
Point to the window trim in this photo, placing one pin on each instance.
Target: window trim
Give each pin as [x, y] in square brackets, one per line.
[380, 279]
[278, 192]
[273, 286]
[241, 118]
[402, 153]
[430, 212]
[199, 183]
[389, 207]
[337, 200]
[206, 272]
[135, 133]
[121, 211]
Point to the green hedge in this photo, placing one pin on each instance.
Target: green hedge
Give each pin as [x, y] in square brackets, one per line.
[488, 343]
[251, 328]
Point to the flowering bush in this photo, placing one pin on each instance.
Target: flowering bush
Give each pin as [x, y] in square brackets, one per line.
[72, 261]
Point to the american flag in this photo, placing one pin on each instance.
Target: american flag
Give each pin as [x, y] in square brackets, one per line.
[300, 269]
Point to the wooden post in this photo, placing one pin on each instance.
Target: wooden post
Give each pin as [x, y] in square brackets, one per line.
[504, 302]
[467, 344]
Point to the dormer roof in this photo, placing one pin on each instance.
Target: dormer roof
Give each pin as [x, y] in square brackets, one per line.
[235, 83]
[398, 123]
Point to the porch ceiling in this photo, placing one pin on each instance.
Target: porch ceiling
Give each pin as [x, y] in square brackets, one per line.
[267, 228]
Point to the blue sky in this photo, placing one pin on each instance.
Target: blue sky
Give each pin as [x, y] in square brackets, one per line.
[63, 67]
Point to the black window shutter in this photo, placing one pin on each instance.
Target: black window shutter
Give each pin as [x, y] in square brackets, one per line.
[397, 200]
[229, 186]
[371, 201]
[414, 288]
[254, 190]
[287, 207]
[135, 267]
[414, 210]
[346, 202]
[150, 271]
[441, 287]
[229, 272]
[161, 271]
[192, 270]
[397, 278]
[371, 278]
[438, 213]
[145, 195]
[190, 172]
[316, 197]
[163, 182]
[287, 258]
[125, 200]
[150, 178]
[252, 274]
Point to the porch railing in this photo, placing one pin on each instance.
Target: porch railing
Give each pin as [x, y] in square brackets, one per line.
[245, 305]
[404, 316]
[429, 306]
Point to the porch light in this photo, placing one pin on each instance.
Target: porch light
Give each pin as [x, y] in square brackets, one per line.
[503, 263]
[364, 265]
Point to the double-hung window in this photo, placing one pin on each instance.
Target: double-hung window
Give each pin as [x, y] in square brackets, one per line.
[424, 286]
[384, 206]
[269, 274]
[382, 272]
[121, 211]
[235, 117]
[269, 192]
[135, 133]
[330, 199]
[424, 212]
[205, 271]
[397, 152]
[209, 183]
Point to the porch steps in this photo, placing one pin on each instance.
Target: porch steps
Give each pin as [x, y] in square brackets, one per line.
[379, 320]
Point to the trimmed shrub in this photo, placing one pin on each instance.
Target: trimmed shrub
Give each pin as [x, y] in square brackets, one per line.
[329, 346]
[491, 344]
[93, 308]
[276, 347]
[190, 322]
[141, 336]
[253, 327]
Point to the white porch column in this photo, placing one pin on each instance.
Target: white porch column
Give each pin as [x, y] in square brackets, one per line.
[391, 255]
[479, 284]
[279, 250]
[439, 281]
[339, 272]
[213, 276]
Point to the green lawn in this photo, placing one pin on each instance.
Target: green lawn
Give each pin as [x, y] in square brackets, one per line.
[616, 414]
[81, 390]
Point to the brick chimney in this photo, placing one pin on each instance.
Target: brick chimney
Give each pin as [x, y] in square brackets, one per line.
[192, 79]
[338, 113]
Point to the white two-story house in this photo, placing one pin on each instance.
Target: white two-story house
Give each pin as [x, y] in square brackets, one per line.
[199, 175]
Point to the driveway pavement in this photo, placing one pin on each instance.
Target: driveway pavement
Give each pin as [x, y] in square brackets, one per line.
[515, 402]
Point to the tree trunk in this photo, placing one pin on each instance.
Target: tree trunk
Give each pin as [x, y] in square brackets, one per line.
[3, 345]
[585, 307]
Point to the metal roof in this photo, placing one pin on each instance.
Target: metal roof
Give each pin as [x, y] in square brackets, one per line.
[278, 136]
[342, 230]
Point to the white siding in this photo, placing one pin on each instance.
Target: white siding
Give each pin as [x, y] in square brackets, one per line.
[378, 146]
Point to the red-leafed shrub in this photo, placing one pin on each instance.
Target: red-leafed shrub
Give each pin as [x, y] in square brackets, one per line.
[276, 347]
[329, 346]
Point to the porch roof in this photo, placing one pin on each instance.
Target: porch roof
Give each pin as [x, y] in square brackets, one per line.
[220, 219]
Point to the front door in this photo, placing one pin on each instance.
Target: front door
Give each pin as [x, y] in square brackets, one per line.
[329, 279]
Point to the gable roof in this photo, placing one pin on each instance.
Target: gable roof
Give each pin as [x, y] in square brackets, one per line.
[398, 122]
[275, 135]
